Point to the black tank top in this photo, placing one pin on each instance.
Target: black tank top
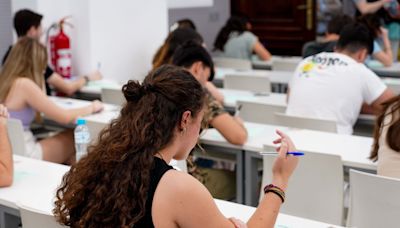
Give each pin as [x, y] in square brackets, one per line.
[160, 167]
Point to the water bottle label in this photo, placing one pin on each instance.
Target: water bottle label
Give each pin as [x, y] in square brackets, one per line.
[82, 137]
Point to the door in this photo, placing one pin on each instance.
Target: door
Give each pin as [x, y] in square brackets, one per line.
[283, 26]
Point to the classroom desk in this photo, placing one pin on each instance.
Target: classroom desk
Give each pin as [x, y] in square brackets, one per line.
[244, 213]
[70, 103]
[36, 181]
[392, 71]
[281, 77]
[353, 150]
[34, 185]
[92, 90]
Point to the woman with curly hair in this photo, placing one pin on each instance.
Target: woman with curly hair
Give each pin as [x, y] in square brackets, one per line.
[386, 147]
[125, 180]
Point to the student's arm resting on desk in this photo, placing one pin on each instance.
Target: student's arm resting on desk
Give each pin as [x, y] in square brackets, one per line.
[384, 56]
[194, 206]
[39, 101]
[70, 87]
[370, 7]
[6, 161]
[231, 128]
[261, 51]
[376, 106]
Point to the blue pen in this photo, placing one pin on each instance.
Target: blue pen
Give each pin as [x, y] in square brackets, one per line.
[294, 153]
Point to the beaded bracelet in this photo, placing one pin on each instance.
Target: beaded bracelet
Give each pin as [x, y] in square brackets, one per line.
[276, 190]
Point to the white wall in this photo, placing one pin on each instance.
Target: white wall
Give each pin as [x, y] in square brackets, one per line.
[5, 27]
[208, 20]
[189, 3]
[123, 36]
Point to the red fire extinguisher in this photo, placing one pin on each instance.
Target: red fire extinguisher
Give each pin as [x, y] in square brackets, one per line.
[60, 49]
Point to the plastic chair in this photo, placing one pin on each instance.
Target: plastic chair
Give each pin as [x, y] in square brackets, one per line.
[32, 218]
[112, 96]
[374, 201]
[237, 64]
[315, 189]
[16, 136]
[284, 65]
[256, 84]
[305, 123]
[258, 112]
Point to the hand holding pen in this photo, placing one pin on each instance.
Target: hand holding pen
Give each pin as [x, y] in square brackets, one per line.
[284, 165]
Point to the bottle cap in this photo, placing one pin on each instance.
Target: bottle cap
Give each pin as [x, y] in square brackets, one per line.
[80, 121]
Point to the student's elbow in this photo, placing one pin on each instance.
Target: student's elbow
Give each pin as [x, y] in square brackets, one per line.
[238, 138]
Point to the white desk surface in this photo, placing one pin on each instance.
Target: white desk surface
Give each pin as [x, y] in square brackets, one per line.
[274, 76]
[36, 181]
[94, 87]
[34, 185]
[232, 96]
[354, 150]
[392, 71]
[71, 103]
[244, 213]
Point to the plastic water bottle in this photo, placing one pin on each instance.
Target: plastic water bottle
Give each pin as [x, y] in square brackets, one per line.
[82, 138]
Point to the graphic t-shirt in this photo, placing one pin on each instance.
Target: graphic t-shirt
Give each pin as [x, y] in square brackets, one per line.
[332, 86]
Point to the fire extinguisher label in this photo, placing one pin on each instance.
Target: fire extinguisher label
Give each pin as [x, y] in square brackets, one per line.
[64, 62]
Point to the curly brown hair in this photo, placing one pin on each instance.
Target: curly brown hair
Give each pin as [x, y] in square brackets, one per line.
[109, 187]
[390, 108]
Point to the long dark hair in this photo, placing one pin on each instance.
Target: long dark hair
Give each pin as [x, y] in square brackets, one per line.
[391, 108]
[173, 41]
[109, 187]
[373, 23]
[234, 23]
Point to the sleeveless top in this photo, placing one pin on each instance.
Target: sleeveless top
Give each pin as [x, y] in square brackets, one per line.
[160, 168]
[26, 116]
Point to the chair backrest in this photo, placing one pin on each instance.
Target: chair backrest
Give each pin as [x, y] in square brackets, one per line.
[238, 64]
[112, 96]
[283, 65]
[258, 112]
[305, 122]
[181, 165]
[374, 201]
[394, 87]
[32, 218]
[246, 82]
[94, 129]
[16, 136]
[315, 189]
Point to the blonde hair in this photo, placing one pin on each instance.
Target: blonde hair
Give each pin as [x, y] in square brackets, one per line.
[27, 59]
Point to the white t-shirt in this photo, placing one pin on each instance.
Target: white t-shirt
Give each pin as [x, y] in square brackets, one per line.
[332, 86]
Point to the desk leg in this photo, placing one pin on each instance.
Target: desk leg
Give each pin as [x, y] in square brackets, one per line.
[239, 167]
[9, 217]
[252, 178]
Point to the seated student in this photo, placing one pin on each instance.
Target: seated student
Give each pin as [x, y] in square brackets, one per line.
[125, 181]
[235, 41]
[335, 85]
[331, 37]
[386, 147]
[198, 62]
[174, 39]
[21, 90]
[381, 39]
[221, 183]
[183, 23]
[6, 160]
[28, 23]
